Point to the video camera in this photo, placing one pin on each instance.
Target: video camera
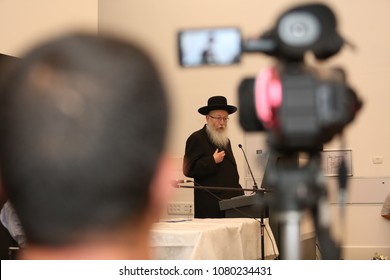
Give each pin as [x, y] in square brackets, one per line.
[301, 107]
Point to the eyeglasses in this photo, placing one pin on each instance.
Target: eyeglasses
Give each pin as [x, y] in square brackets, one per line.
[219, 118]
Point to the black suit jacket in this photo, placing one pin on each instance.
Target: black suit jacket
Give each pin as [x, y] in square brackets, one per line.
[199, 164]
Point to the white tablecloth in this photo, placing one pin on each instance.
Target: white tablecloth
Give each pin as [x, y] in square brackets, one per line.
[207, 239]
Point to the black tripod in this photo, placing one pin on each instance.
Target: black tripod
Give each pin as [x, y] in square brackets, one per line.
[264, 214]
[297, 188]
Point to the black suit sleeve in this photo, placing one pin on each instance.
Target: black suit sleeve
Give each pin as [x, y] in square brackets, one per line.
[198, 159]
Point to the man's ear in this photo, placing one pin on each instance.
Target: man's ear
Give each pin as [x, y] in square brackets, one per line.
[161, 189]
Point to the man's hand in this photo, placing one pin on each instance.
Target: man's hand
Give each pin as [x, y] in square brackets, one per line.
[218, 156]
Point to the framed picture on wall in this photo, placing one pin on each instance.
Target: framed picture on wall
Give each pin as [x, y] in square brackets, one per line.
[332, 159]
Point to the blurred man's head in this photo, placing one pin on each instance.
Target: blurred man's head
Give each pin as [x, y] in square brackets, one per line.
[83, 126]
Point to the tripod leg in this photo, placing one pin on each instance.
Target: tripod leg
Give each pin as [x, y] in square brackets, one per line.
[290, 228]
[262, 226]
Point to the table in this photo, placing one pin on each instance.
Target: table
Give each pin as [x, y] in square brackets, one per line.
[211, 239]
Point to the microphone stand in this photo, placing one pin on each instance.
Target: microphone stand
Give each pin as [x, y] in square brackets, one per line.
[221, 188]
[255, 188]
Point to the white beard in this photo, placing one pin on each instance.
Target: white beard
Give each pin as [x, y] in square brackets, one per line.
[219, 138]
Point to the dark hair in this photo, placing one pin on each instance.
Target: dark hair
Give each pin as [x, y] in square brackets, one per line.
[83, 123]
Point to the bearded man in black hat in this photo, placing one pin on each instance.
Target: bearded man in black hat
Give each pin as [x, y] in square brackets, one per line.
[210, 161]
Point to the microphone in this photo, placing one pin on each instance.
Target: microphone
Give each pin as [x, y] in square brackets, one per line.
[177, 182]
[255, 187]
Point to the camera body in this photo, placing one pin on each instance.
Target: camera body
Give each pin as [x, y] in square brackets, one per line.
[299, 107]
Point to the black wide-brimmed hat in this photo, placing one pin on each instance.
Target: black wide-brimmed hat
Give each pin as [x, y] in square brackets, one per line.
[217, 103]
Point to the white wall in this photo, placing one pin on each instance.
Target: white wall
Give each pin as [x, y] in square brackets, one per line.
[357, 224]
[26, 23]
